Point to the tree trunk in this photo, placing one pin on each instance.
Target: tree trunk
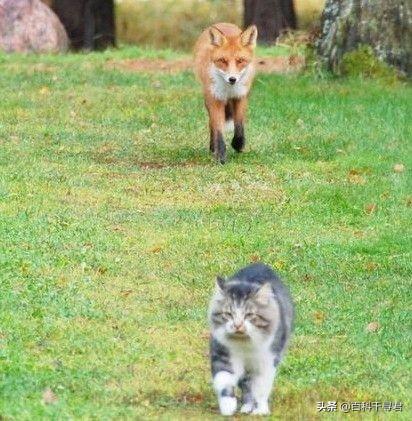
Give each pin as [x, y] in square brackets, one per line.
[384, 25]
[89, 23]
[272, 17]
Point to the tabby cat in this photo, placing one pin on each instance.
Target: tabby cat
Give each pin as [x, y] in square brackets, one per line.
[251, 316]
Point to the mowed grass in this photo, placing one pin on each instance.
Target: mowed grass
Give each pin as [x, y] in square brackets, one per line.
[114, 221]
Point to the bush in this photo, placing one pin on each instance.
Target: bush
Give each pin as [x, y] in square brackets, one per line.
[363, 62]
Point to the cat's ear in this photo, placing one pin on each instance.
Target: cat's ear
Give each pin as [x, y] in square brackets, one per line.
[220, 283]
[264, 294]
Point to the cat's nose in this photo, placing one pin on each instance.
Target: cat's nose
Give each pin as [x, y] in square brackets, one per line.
[240, 328]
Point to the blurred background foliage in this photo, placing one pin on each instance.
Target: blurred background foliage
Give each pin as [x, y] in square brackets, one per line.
[177, 23]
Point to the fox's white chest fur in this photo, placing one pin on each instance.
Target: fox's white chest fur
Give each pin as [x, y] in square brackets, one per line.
[222, 90]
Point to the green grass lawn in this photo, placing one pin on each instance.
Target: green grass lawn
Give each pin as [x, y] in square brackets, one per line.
[114, 221]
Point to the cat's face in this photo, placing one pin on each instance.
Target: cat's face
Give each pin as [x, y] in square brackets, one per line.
[240, 312]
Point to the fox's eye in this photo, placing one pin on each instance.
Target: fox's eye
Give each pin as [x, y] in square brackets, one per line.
[240, 60]
[221, 60]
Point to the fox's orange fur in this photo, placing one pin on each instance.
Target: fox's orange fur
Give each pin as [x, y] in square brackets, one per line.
[224, 64]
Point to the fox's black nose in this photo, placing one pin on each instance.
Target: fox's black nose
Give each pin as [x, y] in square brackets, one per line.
[232, 80]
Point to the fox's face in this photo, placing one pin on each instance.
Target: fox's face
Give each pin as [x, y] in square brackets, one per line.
[232, 56]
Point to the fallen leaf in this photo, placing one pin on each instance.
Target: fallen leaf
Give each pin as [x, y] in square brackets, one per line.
[373, 327]
[101, 270]
[370, 266]
[255, 258]
[370, 208]
[319, 316]
[156, 249]
[399, 168]
[356, 179]
[126, 292]
[49, 397]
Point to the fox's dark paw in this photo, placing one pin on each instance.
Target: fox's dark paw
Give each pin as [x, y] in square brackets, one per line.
[238, 143]
[221, 152]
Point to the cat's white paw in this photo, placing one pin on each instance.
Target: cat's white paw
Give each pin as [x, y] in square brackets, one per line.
[247, 408]
[227, 405]
[261, 409]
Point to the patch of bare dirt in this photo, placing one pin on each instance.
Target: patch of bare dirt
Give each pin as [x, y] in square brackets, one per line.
[148, 65]
[280, 64]
[264, 65]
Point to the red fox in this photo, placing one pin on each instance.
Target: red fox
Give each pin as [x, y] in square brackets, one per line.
[224, 63]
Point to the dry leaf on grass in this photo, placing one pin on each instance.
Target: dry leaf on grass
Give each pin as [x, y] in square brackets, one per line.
[373, 327]
[399, 168]
[319, 316]
[370, 208]
[370, 266]
[156, 249]
[255, 258]
[126, 292]
[49, 397]
[355, 178]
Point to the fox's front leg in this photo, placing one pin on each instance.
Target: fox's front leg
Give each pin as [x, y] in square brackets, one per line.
[239, 113]
[216, 111]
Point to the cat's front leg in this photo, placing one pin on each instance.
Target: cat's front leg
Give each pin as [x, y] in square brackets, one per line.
[248, 401]
[224, 384]
[261, 387]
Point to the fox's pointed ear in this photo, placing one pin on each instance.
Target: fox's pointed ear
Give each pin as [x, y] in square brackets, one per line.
[220, 283]
[264, 293]
[249, 36]
[216, 37]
